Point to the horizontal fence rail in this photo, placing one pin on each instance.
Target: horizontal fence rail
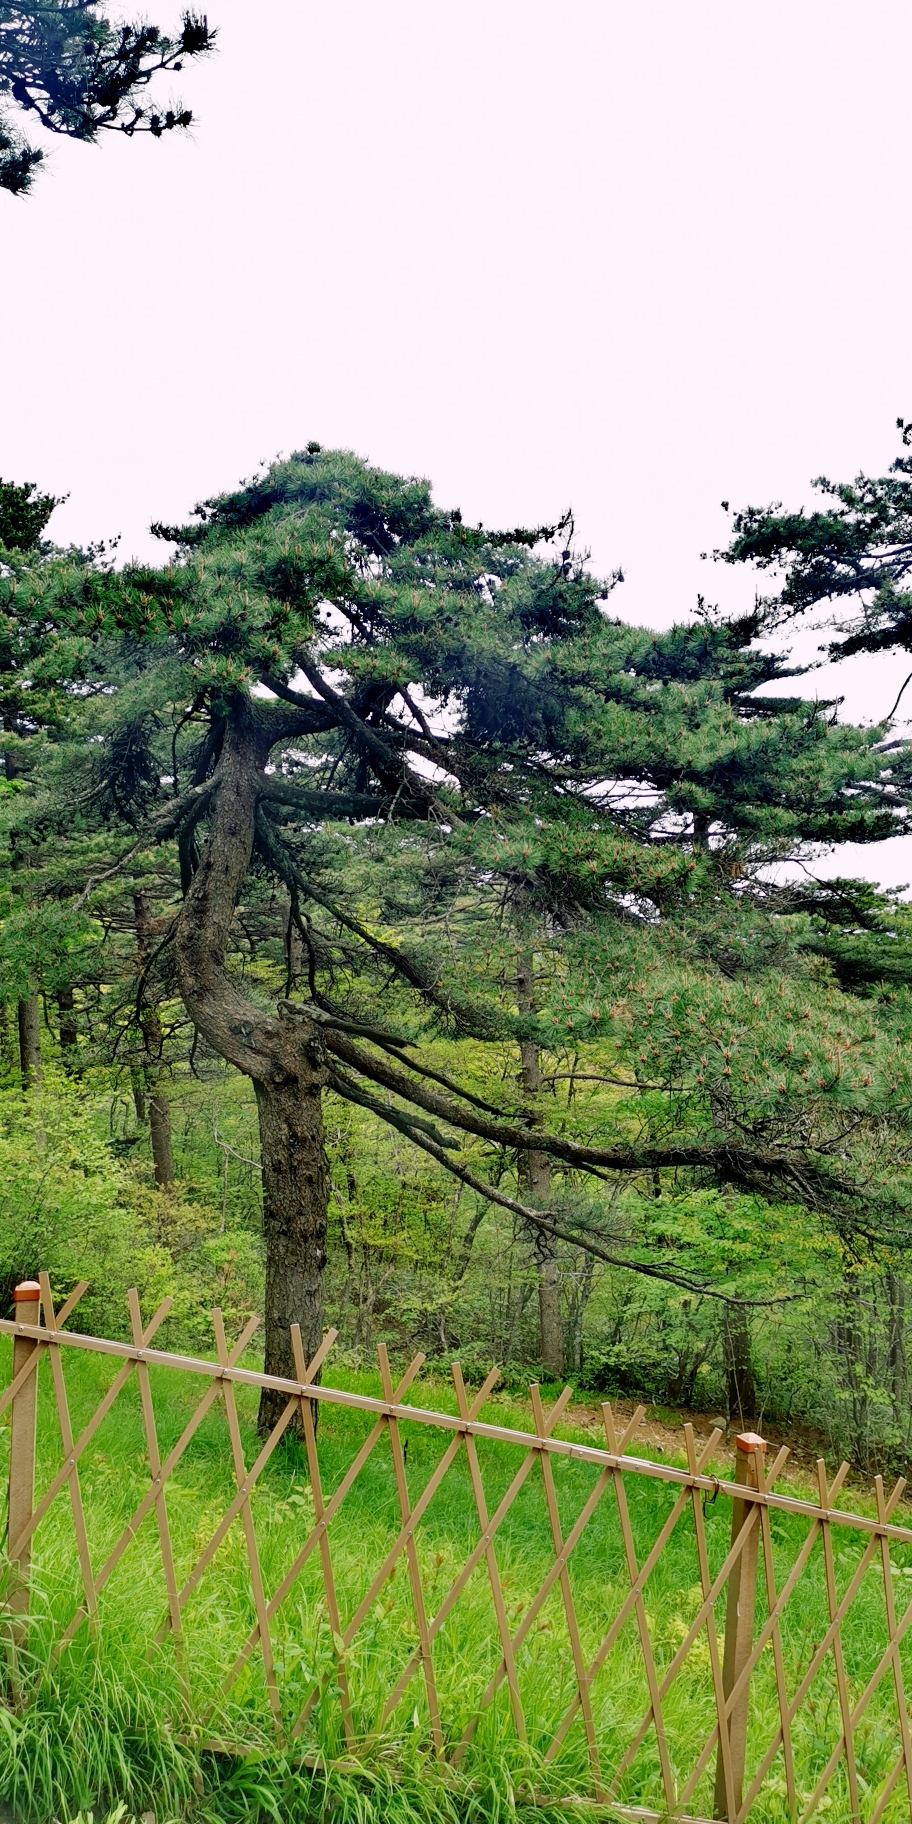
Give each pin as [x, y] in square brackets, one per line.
[622, 1635]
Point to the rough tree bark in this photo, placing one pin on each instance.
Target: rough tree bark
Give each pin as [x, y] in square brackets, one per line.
[283, 1056]
[29, 1041]
[535, 1174]
[160, 1138]
[295, 1198]
[156, 1102]
[68, 1030]
[138, 1086]
[740, 1387]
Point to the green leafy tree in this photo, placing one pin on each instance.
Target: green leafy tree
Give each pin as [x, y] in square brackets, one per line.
[433, 747]
[64, 61]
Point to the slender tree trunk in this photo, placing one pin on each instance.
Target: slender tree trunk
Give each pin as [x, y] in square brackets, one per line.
[550, 1280]
[158, 1109]
[535, 1174]
[896, 1342]
[138, 1084]
[30, 1041]
[160, 1136]
[69, 1031]
[583, 1294]
[739, 1371]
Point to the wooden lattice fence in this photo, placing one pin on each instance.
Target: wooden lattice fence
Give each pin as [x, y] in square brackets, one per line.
[772, 1683]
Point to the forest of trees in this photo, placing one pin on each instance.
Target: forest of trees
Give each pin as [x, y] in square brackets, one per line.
[393, 935]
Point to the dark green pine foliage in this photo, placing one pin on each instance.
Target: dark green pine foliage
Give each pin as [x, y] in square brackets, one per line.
[391, 752]
[857, 546]
[65, 62]
[24, 514]
[24, 705]
[855, 553]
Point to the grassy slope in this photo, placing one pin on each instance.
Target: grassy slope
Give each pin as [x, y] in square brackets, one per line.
[103, 1719]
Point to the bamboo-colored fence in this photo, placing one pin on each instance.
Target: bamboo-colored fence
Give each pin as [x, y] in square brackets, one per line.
[754, 1672]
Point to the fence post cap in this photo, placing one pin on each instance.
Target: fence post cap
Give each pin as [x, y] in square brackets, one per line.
[749, 1441]
[27, 1289]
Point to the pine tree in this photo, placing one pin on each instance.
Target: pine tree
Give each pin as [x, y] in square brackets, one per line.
[63, 61]
[441, 749]
[857, 547]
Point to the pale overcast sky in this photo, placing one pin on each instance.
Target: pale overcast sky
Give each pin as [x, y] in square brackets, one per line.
[633, 258]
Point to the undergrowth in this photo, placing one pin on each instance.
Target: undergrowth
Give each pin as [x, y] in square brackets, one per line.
[112, 1719]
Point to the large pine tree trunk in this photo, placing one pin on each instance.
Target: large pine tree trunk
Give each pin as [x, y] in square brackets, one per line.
[295, 1198]
[283, 1056]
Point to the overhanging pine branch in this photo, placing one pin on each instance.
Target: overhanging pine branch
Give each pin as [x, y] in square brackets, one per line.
[737, 1162]
[546, 1221]
[321, 805]
[472, 1019]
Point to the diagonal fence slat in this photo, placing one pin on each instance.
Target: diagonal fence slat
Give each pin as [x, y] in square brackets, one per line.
[88, 1432]
[460, 1582]
[411, 1556]
[711, 1634]
[576, 1645]
[158, 1481]
[654, 1713]
[820, 1652]
[319, 1537]
[562, 1558]
[852, 1716]
[395, 1552]
[856, 1657]
[253, 1560]
[490, 1555]
[846, 1745]
[627, 1606]
[154, 1456]
[30, 1367]
[699, 1622]
[904, 1761]
[330, 1510]
[720, 1729]
[234, 1507]
[66, 1439]
[326, 1565]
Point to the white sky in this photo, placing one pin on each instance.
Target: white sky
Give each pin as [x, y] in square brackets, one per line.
[637, 258]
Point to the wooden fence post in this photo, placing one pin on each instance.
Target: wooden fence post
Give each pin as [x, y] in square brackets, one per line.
[739, 1623]
[23, 1433]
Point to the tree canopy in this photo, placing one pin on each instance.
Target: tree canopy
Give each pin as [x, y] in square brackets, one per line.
[858, 546]
[429, 802]
[65, 62]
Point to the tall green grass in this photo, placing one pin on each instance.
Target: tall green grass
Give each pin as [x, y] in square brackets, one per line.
[107, 1722]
